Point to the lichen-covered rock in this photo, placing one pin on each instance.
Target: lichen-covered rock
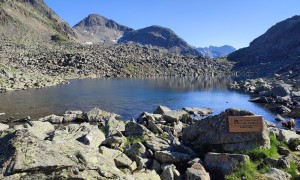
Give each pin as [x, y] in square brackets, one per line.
[40, 129]
[53, 119]
[287, 135]
[94, 137]
[137, 149]
[113, 126]
[169, 172]
[224, 163]
[157, 144]
[98, 115]
[213, 133]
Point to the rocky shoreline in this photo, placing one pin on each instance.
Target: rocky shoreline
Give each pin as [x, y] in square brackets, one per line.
[276, 94]
[37, 66]
[166, 144]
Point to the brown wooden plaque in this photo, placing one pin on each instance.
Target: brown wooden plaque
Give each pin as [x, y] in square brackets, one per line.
[245, 123]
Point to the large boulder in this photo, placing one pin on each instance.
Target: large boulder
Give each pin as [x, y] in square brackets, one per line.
[40, 129]
[113, 126]
[224, 163]
[137, 149]
[157, 144]
[213, 133]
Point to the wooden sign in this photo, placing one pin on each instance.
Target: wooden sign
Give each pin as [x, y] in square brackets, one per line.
[245, 123]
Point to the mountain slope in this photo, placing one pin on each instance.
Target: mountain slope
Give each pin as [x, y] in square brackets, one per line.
[98, 29]
[275, 51]
[216, 52]
[30, 21]
[159, 37]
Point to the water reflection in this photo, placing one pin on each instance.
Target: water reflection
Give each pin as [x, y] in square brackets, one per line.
[127, 97]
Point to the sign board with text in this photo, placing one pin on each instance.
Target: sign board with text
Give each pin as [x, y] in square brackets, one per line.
[245, 123]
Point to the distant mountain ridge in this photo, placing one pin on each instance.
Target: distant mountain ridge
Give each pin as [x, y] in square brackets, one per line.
[98, 29]
[275, 51]
[161, 37]
[216, 52]
[31, 21]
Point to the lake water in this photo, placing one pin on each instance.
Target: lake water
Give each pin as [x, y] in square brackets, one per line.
[127, 97]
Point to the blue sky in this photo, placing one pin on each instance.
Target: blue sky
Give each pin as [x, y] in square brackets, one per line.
[201, 23]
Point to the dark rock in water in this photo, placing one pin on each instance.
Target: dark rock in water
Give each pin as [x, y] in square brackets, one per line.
[212, 133]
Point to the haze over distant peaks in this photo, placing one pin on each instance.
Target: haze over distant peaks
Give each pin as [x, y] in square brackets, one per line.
[216, 52]
[98, 29]
[158, 36]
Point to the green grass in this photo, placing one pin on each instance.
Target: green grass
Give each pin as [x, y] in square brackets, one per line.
[255, 168]
[134, 140]
[258, 154]
[58, 38]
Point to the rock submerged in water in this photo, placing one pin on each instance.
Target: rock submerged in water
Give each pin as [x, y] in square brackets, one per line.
[212, 133]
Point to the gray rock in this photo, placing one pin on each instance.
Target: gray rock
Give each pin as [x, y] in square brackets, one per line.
[197, 172]
[280, 91]
[198, 111]
[113, 126]
[277, 174]
[114, 142]
[134, 129]
[169, 172]
[53, 119]
[122, 161]
[161, 110]
[283, 109]
[279, 118]
[223, 162]
[155, 166]
[287, 135]
[145, 117]
[41, 129]
[71, 116]
[296, 93]
[195, 160]
[154, 127]
[137, 149]
[157, 144]
[171, 157]
[143, 163]
[98, 115]
[283, 151]
[176, 116]
[3, 127]
[212, 132]
[94, 137]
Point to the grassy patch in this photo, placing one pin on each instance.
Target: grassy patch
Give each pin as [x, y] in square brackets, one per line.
[58, 38]
[134, 140]
[258, 154]
[255, 169]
